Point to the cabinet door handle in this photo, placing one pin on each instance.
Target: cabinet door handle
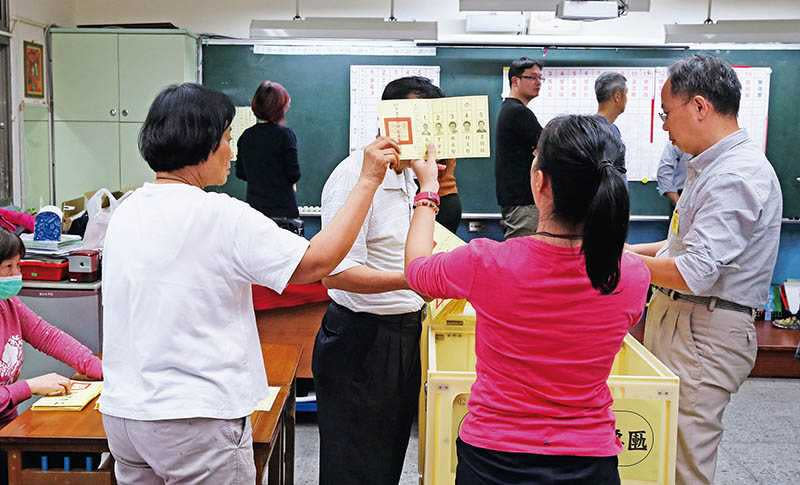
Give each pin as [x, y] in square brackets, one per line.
[113, 112]
[124, 112]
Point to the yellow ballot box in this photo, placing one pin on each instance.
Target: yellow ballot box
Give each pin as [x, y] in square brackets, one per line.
[645, 396]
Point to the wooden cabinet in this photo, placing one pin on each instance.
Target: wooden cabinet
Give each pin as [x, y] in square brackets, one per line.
[103, 84]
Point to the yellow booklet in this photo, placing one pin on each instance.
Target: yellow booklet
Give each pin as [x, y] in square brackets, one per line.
[82, 393]
[458, 126]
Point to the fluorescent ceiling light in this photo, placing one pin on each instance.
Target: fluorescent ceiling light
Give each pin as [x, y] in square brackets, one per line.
[343, 28]
[532, 5]
[737, 31]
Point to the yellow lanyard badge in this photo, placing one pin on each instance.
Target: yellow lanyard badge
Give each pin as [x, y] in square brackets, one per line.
[674, 224]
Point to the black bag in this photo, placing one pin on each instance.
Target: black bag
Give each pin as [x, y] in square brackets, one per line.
[290, 224]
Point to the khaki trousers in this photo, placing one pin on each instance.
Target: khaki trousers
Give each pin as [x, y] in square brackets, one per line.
[194, 451]
[713, 352]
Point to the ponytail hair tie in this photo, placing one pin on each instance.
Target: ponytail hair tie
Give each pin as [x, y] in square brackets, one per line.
[604, 164]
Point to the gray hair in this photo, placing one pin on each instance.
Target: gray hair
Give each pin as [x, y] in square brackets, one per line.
[607, 84]
[710, 77]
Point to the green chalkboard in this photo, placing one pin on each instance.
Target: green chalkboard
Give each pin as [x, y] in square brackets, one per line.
[319, 86]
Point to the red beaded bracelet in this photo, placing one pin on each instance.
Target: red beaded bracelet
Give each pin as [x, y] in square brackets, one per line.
[427, 203]
[431, 196]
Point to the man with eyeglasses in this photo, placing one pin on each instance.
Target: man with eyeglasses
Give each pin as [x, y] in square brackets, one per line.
[716, 265]
[517, 133]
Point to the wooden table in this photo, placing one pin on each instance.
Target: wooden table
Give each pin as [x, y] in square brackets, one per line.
[295, 325]
[82, 432]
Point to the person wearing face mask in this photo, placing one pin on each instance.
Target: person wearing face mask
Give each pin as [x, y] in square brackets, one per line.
[19, 324]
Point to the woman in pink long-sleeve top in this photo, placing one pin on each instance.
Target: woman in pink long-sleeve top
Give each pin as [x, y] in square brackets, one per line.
[19, 324]
[552, 310]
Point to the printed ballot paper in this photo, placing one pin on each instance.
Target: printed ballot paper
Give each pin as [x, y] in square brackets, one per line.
[458, 126]
[81, 394]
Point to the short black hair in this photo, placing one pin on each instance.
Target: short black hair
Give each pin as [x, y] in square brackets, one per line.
[10, 245]
[419, 86]
[607, 84]
[521, 65]
[184, 125]
[710, 77]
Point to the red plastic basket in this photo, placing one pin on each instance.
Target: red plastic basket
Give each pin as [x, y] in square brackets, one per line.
[34, 269]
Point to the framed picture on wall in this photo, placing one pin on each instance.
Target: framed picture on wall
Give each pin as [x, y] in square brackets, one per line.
[34, 70]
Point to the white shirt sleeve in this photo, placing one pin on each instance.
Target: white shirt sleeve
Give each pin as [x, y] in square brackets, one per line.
[333, 198]
[264, 253]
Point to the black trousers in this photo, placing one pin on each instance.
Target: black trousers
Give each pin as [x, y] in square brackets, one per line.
[450, 212]
[479, 466]
[367, 379]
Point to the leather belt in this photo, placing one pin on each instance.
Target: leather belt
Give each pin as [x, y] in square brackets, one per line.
[710, 301]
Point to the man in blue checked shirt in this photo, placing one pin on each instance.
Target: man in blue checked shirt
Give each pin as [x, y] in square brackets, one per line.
[672, 172]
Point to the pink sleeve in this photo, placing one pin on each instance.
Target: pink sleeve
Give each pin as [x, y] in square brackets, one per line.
[443, 275]
[55, 343]
[13, 394]
[19, 218]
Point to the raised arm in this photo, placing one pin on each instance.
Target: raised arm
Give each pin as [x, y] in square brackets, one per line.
[419, 242]
[333, 242]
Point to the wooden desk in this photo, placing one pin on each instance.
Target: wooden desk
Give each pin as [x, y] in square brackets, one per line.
[294, 325]
[53, 431]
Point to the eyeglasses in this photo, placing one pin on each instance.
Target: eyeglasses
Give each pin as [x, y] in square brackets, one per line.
[534, 78]
[664, 116]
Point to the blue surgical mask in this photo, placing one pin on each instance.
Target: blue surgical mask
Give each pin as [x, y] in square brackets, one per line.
[10, 286]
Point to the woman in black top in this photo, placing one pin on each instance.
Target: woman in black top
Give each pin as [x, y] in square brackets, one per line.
[267, 157]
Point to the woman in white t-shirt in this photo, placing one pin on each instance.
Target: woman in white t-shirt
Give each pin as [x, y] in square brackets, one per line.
[182, 360]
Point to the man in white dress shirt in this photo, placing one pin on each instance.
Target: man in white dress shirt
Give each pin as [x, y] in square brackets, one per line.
[366, 359]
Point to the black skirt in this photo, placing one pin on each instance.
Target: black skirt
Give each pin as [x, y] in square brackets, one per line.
[479, 466]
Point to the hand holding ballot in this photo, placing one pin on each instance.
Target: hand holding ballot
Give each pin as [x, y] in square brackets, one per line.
[458, 126]
[378, 155]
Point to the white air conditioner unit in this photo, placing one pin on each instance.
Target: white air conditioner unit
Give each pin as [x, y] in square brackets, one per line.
[727, 31]
[496, 23]
[587, 10]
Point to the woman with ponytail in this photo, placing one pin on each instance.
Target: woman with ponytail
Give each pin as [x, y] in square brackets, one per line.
[552, 311]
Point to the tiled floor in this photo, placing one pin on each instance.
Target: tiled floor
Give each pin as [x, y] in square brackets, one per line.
[761, 443]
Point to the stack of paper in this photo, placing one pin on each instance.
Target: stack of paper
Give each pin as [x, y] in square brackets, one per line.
[81, 395]
[62, 247]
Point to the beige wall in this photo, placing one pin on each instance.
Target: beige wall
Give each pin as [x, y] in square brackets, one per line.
[232, 18]
[28, 21]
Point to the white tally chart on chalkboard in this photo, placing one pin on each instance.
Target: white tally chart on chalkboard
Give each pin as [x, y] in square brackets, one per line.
[571, 90]
[366, 88]
[243, 120]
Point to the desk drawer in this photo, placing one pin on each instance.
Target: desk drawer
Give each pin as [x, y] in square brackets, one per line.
[52, 477]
